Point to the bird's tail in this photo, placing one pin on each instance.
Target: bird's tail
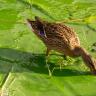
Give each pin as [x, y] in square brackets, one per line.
[89, 61]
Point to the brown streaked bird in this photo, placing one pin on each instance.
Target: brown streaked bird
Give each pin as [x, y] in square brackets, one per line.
[61, 38]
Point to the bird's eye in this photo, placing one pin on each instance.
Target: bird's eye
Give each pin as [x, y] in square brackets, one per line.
[41, 29]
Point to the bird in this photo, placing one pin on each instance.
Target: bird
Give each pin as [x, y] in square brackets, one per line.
[61, 38]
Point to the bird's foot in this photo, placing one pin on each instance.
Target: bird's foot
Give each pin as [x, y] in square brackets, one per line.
[48, 66]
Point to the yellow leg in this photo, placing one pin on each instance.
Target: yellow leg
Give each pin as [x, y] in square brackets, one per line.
[47, 51]
[47, 54]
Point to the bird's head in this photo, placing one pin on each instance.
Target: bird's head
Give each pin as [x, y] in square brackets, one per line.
[37, 26]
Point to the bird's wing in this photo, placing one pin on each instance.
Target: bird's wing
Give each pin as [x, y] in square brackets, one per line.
[63, 33]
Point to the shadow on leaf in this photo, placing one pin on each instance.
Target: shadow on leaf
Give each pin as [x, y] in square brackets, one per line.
[19, 61]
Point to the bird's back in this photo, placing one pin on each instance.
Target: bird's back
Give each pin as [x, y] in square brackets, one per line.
[61, 35]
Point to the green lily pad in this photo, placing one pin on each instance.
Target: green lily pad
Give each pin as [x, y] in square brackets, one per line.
[23, 70]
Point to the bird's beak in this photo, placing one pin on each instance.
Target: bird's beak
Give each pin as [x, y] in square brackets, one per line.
[29, 21]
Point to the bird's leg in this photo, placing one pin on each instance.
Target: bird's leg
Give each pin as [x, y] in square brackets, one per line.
[65, 57]
[47, 55]
[61, 61]
[47, 51]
